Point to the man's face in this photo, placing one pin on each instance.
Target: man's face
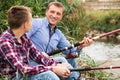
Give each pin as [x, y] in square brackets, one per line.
[54, 14]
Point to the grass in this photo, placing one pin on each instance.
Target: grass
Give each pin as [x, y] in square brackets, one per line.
[86, 61]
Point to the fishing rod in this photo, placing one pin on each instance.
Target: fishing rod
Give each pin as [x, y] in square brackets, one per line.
[95, 68]
[82, 42]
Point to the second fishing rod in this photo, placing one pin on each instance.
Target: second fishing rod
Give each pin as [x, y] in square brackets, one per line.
[82, 42]
[95, 68]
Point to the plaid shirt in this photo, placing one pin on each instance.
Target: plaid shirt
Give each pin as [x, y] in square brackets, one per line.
[15, 56]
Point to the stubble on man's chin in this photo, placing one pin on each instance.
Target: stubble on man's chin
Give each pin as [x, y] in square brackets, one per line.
[52, 24]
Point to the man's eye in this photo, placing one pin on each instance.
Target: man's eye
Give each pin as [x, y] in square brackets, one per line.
[52, 11]
[58, 13]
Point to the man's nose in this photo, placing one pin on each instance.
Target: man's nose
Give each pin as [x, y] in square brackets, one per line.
[55, 14]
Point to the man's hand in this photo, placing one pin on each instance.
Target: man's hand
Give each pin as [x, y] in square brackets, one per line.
[62, 70]
[86, 42]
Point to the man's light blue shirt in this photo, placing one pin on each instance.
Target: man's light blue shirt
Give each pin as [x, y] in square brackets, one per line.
[44, 41]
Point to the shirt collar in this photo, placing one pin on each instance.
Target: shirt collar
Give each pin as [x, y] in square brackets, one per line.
[24, 37]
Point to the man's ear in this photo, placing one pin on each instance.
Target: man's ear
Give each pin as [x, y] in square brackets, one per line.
[46, 11]
[61, 17]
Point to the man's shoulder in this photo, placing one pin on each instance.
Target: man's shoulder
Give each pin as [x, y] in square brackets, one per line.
[58, 31]
[38, 19]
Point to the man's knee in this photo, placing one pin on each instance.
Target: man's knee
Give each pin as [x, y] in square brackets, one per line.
[72, 62]
[74, 75]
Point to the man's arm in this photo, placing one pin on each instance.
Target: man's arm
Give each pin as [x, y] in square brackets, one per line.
[63, 42]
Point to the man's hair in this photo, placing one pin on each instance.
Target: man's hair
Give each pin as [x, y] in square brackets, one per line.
[56, 3]
[17, 15]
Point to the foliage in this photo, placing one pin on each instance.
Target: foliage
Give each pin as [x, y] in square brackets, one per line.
[73, 21]
[86, 61]
[104, 21]
[37, 6]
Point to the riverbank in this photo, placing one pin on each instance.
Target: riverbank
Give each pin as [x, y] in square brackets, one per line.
[105, 54]
[113, 72]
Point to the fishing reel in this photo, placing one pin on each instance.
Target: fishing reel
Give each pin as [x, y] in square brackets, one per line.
[72, 55]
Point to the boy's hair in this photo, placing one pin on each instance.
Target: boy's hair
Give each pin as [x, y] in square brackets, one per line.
[17, 15]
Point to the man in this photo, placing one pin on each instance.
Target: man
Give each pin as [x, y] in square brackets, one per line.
[16, 51]
[47, 37]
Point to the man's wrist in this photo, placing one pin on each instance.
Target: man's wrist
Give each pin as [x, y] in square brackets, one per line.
[79, 48]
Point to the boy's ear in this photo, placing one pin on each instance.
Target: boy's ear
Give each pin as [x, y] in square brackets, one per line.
[24, 25]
